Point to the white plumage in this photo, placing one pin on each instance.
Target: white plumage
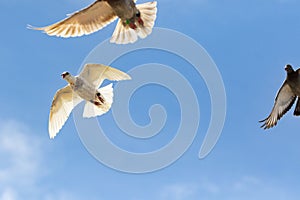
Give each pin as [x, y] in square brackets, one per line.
[84, 87]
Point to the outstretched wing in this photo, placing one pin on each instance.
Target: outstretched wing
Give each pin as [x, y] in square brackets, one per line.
[83, 22]
[284, 100]
[96, 73]
[63, 103]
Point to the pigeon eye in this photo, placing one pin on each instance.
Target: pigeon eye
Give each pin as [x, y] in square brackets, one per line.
[138, 14]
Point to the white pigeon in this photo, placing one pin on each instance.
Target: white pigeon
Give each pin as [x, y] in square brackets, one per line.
[134, 20]
[84, 87]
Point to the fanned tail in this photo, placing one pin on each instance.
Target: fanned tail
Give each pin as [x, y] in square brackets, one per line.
[123, 34]
[148, 15]
[91, 110]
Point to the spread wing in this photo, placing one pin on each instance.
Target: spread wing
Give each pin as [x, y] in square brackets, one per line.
[83, 22]
[283, 103]
[63, 103]
[96, 73]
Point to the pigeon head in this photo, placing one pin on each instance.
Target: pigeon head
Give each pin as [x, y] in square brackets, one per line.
[135, 18]
[64, 75]
[289, 69]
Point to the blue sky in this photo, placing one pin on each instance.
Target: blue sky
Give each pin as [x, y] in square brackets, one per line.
[249, 41]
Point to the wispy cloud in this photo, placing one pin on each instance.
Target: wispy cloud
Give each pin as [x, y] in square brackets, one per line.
[8, 194]
[22, 167]
[244, 187]
[178, 191]
[21, 152]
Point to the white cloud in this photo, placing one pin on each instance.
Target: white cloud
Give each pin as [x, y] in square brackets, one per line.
[178, 191]
[244, 187]
[22, 167]
[21, 152]
[210, 188]
[8, 194]
[60, 196]
[245, 182]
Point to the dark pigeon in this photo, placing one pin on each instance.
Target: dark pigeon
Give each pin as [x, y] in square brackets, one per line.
[286, 96]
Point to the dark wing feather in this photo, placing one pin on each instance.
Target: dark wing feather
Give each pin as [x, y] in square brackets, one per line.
[284, 100]
[297, 108]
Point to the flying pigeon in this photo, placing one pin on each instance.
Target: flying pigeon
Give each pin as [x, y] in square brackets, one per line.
[286, 96]
[134, 20]
[84, 87]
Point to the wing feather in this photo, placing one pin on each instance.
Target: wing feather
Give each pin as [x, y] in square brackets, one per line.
[83, 22]
[63, 103]
[97, 73]
[283, 102]
[297, 108]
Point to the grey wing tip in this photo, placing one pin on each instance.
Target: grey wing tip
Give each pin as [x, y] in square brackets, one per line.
[28, 26]
[33, 27]
[265, 126]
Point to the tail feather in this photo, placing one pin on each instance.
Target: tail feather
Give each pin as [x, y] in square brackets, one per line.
[125, 34]
[148, 14]
[91, 110]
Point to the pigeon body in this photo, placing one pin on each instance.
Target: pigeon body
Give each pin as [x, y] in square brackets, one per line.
[81, 87]
[84, 87]
[293, 79]
[134, 20]
[286, 96]
[124, 9]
